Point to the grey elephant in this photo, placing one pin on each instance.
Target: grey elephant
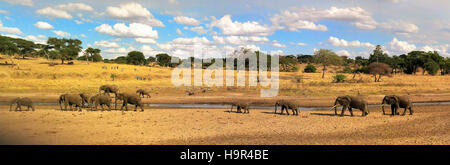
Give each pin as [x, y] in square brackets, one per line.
[397, 102]
[109, 89]
[129, 98]
[143, 93]
[350, 102]
[85, 98]
[240, 105]
[71, 99]
[100, 99]
[22, 101]
[286, 105]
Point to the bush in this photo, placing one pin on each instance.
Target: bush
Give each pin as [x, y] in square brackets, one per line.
[338, 78]
[310, 69]
[347, 70]
[432, 67]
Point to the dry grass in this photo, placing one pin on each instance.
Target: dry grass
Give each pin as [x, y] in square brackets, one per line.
[36, 75]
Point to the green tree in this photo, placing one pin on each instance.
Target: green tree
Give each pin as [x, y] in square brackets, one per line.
[326, 57]
[67, 49]
[151, 59]
[379, 56]
[310, 69]
[121, 60]
[431, 67]
[163, 59]
[136, 58]
[91, 54]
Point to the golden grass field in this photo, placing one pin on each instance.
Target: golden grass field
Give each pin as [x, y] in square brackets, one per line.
[32, 76]
[36, 79]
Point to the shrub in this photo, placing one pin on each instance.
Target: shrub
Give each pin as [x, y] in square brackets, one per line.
[309, 68]
[347, 70]
[338, 78]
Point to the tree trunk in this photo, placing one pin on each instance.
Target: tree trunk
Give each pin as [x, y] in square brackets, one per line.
[323, 73]
[62, 61]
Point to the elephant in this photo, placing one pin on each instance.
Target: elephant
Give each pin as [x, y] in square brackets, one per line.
[71, 99]
[22, 101]
[129, 98]
[398, 102]
[239, 106]
[286, 105]
[350, 102]
[100, 99]
[85, 98]
[109, 89]
[143, 93]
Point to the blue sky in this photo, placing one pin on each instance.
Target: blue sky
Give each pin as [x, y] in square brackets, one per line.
[349, 27]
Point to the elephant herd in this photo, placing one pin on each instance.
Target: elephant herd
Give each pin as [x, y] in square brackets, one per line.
[104, 99]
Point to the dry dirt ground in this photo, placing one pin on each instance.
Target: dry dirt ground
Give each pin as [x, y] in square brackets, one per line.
[46, 125]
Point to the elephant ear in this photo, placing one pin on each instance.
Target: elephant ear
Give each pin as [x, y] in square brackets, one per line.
[348, 99]
[395, 98]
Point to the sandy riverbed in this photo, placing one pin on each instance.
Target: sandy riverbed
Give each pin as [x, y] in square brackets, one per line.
[429, 125]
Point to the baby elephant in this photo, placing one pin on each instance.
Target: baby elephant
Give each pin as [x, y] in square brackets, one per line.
[239, 106]
[398, 102]
[70, 99]
[22, 101]
[100, 99]
[143, 93]
[286, 105]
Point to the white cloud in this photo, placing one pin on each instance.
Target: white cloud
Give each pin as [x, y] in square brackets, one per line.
[61, 33]
[399, 27]
[186, 20]
[54, 13]
[349, 44]
[149, 51]
[43, 25]
[4, 12]
[78, 22]
[145, 40]
[399, 47]
[75, 7]
[276, 44]
[301, 44]
[20, 2]
[106, 44]
[248, 28]
[239, 40]
[304, 18]
[179, 32]
[83, 35]
[343, 53]
[133, 12]
[198, 30]
[443, 50]
[40, 39]
[12, 30]
[134, 30]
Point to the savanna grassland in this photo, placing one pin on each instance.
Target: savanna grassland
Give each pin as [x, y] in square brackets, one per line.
[43, 81]
[37, 76]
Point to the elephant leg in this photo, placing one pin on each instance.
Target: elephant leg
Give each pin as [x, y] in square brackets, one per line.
[351, 111]
[410, 111]
[17, 107]
[135, 107]
[80, 108]
[382, 108]
[32, 107]
[282, 109]
[101, 105]
[231, 110]
[142, 107]
[343, 110]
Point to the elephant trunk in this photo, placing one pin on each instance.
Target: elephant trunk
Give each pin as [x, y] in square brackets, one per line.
[382, 106]
[335, 108]
[10, 106]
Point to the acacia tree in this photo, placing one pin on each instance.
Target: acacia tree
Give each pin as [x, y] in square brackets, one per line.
[326, 57]
[92, 54]
[67, 49]
[377, 68]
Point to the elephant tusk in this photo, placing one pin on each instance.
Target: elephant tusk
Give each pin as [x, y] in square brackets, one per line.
[333, 107]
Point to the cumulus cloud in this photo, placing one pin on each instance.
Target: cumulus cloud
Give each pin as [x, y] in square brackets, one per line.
[106, 44]
[43, 25]
[239, 40]
[248, 28]
[343, 53]
[179, 32]
[4, 12]
[20, 2]
[301, 44]
[186, 20]
[54, 13]
[198, 30]
[134, 30]
[12, 30]
[304, 18]
[145, 40]
[61, 33]
[441, 49]
[75, 7]
[400, 47]
[149, 51]
[399, 27]
[40, 39]
[133, 12]
[349, 44]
